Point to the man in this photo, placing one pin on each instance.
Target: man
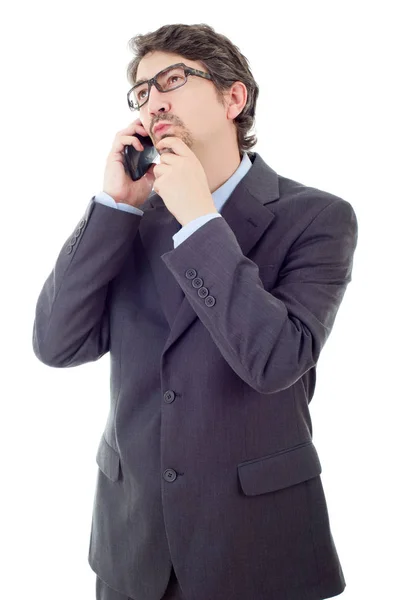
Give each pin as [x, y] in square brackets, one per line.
[214, 307]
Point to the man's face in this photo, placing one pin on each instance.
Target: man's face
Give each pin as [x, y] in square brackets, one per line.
[193, 109]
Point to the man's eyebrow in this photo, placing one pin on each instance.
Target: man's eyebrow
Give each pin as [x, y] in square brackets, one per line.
[140, 81]
[144, 80]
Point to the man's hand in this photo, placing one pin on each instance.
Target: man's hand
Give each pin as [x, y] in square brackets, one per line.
[181, 182]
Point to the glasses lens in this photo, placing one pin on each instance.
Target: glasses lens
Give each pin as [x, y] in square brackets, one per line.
[167, 80]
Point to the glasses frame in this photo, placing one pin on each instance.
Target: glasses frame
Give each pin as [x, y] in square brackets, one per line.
[152, 81]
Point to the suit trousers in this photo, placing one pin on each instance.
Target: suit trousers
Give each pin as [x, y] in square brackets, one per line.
[104, 592]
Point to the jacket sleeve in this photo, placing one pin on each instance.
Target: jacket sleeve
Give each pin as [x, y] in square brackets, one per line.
[71, 324]
[270, 338]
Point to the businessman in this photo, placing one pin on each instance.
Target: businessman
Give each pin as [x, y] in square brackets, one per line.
[213, 283]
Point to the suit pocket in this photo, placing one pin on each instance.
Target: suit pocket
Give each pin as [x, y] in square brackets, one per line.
[282, 469]
[108, 460]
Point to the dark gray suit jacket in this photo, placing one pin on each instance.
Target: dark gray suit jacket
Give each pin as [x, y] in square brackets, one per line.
[207, 459]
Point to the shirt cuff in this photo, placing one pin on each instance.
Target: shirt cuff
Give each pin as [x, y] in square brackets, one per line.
[191, 227]
[104, 198]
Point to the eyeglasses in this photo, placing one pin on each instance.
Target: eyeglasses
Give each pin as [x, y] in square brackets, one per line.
[166, 80]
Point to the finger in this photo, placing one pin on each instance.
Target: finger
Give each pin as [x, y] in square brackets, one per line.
[174, 143]
[167, 158]
[136, 125]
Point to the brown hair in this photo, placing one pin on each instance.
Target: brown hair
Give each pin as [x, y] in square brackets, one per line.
[220, 57]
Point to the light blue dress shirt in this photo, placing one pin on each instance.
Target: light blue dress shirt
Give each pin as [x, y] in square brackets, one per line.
[220, 196]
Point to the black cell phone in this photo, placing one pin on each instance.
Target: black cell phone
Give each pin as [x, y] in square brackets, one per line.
[137, 163]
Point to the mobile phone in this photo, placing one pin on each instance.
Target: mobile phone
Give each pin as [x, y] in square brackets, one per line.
[136, 162]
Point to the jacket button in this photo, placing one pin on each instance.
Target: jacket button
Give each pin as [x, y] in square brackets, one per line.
[191, 273]
[202, 292]
[69, 249]
[81, 223]
[169, 396]
[169, 475]
[197, 282]
[209, 301]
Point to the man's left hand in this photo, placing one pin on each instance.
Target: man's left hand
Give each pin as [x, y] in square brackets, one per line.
[181, 182]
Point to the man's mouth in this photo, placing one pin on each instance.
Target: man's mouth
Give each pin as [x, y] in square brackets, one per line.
[161, 129]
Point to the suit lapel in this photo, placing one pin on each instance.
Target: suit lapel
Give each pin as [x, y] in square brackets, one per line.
[245, 211]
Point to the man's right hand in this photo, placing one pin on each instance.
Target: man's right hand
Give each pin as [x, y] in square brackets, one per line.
[117, 183]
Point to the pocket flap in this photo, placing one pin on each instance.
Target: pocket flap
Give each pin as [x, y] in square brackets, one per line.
[108, 459]
[280, 470]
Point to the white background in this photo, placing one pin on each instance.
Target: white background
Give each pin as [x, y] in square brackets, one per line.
[327, 116]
